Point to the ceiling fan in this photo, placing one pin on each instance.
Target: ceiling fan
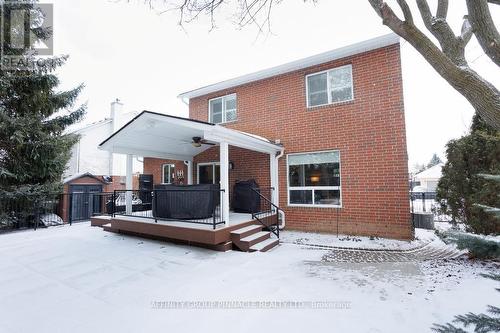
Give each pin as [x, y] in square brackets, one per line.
[197, 142]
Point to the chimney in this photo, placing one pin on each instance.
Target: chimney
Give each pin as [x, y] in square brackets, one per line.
[117, 114]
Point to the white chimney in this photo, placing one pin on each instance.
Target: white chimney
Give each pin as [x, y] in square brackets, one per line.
[117, 114]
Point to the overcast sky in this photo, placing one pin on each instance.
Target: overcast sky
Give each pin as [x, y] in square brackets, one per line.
[126, 50]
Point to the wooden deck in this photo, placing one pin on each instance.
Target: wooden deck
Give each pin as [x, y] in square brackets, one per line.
[177, 231]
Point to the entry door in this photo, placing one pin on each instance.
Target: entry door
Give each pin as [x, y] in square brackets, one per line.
[84, 203]
[209, 173]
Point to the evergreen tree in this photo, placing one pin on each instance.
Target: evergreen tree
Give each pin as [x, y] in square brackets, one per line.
[482, 323]
[34, 149]
[435, 160]
[463, 189]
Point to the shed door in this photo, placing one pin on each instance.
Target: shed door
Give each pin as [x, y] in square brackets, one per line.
[84, 202]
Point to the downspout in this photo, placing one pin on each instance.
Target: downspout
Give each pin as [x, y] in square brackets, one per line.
[280, 155]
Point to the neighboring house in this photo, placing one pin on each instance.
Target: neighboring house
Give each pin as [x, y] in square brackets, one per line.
[326, 132]
[427, 180]
[91, 171]
[87, 159]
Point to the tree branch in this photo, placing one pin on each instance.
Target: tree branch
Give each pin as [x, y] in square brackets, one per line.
[484, 28]
[467, 32]
[450, 44]
[442, 10]
[481, 94]
[406, 11]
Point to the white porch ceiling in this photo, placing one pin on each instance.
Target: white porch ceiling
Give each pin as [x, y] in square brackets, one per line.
[162, 136]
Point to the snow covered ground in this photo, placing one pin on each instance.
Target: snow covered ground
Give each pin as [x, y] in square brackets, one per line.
[82, 279]
[422, 237]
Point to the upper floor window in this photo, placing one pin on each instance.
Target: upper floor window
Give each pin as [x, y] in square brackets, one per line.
[222, 109]
[331, 86]
[168, 173]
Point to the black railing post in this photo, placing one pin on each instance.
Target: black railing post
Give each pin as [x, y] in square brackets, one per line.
[37, 213]
[212, 199]
[113, 208]
[155, 204]
[423, 200]
[278, 223]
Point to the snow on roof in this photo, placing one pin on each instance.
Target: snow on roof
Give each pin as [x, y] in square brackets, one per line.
[80, 175]
[433, 172]
[88, 126]
[346, 51]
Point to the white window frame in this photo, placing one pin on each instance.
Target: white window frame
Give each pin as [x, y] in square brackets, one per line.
[170, 166]
[202, 164]
[223, 98]
[328, 87]
[313, 188]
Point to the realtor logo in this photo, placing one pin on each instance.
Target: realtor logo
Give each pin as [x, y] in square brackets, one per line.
[26, 34]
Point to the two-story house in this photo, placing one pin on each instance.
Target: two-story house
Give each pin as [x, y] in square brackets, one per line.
[326, 133]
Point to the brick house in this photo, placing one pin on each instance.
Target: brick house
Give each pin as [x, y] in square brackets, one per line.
[336, 122]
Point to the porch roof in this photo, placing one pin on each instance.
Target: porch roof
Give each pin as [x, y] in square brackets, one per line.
[158, 135]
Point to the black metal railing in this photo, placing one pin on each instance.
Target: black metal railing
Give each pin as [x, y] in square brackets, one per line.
[189, 205]
[269, 213]
[425, 202]
[33, 211]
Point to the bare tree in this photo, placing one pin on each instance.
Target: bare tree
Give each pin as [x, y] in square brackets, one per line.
[448, 59]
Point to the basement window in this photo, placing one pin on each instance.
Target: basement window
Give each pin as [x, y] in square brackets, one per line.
[329, 87]
[314, 179]
[222, 109]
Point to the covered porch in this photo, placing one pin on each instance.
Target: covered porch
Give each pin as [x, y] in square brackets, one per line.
[191, 207]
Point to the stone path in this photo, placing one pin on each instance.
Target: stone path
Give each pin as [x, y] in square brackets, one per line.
[427, 252]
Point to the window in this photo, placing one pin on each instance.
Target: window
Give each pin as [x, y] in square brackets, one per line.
[222, 109]
[314, 179]
[168, 173]
[208, 173]
[330, 86]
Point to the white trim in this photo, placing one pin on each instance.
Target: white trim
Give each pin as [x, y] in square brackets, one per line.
[224, 180]
[328, 87]
[202, 164]
[339, 188]
[343, 52]
[223, 98]
[129, 184]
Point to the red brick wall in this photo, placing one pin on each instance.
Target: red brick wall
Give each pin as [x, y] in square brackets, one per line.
[153, 166]
[247, 165]
[369, 132]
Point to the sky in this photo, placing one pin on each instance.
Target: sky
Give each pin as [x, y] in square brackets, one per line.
[141, 55]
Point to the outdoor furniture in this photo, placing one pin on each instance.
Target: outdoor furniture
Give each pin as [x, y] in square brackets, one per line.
[185, 202]
[244, 199]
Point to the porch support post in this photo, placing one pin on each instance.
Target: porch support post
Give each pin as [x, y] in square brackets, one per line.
[224, 180]
[128, 185]
[190, 172]
[273, 166]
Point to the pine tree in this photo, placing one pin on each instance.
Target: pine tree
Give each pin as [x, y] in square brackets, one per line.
[34, 149]
[482, 323]
[463, 189]
[435, 160]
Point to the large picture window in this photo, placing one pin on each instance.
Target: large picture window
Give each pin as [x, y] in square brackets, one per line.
[330, 86]
[167, 173]
[314, 179]
[222, 109]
